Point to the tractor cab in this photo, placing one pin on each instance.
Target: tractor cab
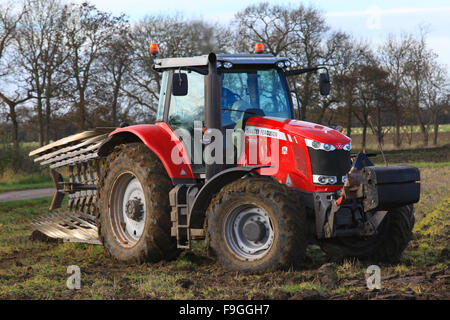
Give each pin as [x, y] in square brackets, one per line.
[252, 84]
[230, 88]
[222, 92]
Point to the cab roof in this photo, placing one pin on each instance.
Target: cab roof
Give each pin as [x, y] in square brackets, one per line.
[202, 61]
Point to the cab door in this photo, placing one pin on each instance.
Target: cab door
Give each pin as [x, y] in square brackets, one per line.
[185, 115]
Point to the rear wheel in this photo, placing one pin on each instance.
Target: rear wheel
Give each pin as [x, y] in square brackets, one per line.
[254, 225]
[394, 234]
[134, 220]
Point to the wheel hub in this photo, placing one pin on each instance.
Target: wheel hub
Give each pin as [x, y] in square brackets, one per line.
[254, 231]
[128, 208]
[249, 232]
[134, 209]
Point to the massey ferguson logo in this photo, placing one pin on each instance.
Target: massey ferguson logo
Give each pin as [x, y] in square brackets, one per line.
[339, 146]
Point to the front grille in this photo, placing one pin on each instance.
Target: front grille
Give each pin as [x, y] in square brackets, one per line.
[330, 163]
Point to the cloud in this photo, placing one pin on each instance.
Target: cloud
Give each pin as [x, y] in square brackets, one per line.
[394, 11]
[441, 45]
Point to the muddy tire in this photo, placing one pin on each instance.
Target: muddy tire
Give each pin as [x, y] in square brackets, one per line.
[134, 211]
[252, 224]
[394, 234]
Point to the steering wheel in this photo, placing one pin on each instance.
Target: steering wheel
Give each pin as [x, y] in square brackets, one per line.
[237, 110]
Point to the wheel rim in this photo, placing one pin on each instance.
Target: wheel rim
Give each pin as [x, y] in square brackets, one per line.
[249, 232]
[127, 209]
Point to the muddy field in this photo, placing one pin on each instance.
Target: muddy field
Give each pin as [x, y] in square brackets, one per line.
[38, 270]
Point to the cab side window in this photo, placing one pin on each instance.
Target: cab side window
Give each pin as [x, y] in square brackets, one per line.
[184, 110]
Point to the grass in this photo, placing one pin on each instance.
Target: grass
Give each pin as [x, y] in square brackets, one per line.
[349, 268]
[415, 129]
[431, 237]
[431, 165]
[438, 157]
[308, 285]
[408, 141]
[24, 182]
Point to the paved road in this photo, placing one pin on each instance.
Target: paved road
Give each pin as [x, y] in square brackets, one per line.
[26, 194]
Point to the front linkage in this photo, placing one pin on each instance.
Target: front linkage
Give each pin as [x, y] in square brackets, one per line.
[369, 193]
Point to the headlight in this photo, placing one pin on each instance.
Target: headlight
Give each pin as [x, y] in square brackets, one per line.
[280, 64]
[227, 65]
[320, 179]
[319, 145]
[348, 147]
[219, 64]
[287, 63]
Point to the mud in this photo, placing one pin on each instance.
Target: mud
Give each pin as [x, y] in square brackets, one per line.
[202, 278]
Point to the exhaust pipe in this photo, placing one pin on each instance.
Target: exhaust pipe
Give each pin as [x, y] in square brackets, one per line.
[213, 115]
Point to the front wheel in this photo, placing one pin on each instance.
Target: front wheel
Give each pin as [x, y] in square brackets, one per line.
[253, 225]
[394, 234]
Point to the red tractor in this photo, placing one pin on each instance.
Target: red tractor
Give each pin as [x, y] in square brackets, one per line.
[226, 161]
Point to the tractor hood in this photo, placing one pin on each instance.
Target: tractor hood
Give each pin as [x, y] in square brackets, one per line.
[303, 129]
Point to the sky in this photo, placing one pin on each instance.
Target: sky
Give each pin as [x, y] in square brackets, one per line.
[371, 20]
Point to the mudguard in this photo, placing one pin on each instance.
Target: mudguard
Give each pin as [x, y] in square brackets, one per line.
[162, 141]
[213, 186]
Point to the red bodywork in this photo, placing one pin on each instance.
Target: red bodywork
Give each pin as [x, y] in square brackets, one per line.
[163, 142]
[291, 155]
[292, 151]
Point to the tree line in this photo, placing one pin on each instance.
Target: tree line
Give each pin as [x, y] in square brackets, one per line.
[68, 67]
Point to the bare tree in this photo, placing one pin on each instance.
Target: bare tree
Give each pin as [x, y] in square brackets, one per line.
[383, 95]
[343, 54]
[41, 54]
[370, 86]
[75, 61]
[88, 31]
[115, 60]
[394, 57]
[176, 37]
[416, 72]
[295, 32]
[436, 97]
[8, 32]
[8, 27]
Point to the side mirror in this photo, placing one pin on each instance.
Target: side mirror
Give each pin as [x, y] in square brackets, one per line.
[179, 84]
[324, 84]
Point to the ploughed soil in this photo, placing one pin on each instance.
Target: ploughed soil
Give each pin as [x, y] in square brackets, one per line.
[41, 273]
[36, 269]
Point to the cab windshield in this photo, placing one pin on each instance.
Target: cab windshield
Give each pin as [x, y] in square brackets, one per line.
[258, 92]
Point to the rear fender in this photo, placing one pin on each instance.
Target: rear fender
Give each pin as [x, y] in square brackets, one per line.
[212, 187]
[160, 139]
